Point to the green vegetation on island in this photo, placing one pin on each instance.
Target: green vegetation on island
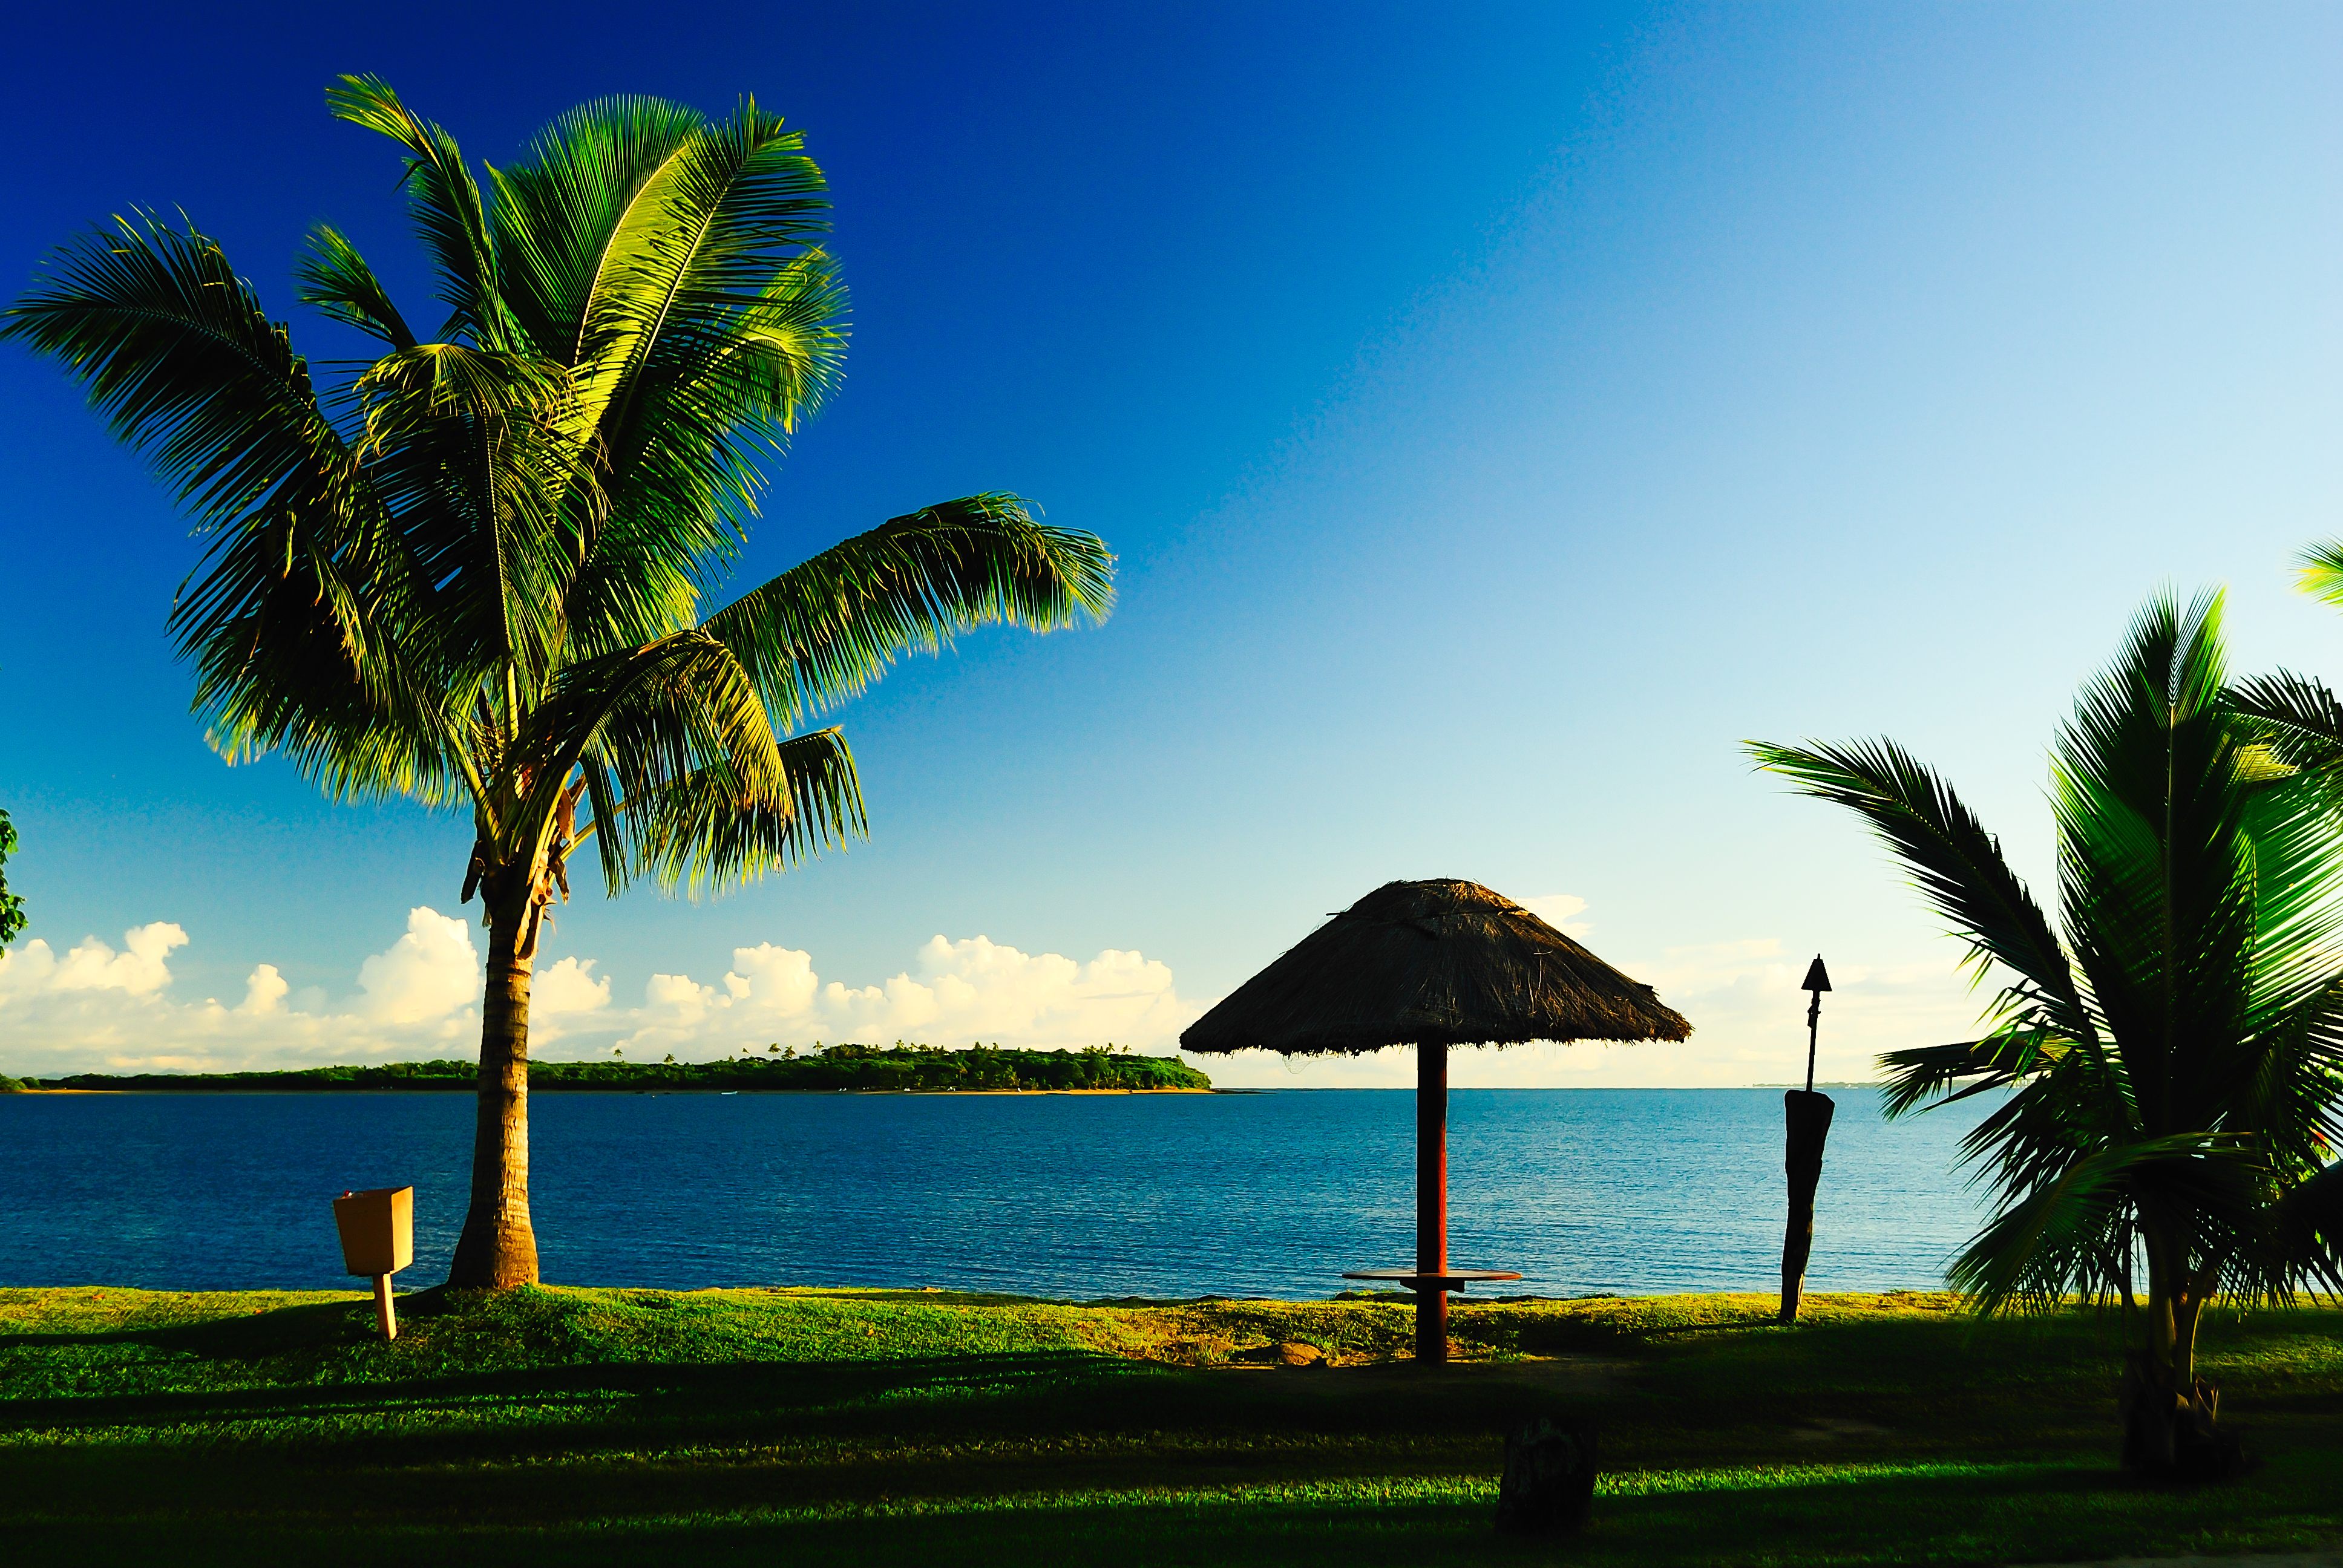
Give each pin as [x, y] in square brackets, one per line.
[864, 1069]
[925, 1427]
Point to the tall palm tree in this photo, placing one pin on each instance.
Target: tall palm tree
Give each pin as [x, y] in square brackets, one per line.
[2173, 1067]
[469, 572]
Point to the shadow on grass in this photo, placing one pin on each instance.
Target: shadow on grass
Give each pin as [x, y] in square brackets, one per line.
[1941, 1514]
[647, 1406]
[512, 1428]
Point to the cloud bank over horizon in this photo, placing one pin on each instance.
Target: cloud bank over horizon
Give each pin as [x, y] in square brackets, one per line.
[96, 1008]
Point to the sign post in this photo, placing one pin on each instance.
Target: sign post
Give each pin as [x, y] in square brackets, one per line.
[377, 1230]
[1807, 1116]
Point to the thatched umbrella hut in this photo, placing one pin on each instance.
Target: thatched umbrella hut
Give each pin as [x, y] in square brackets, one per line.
[1433, 965]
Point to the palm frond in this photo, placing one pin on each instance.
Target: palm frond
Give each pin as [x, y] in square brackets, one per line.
[2302, 722]
[2151, 813]
[2036, 1250]
[1955, 864]
[336, 279]
[2295, 881]
[823, 630]
[557, 213]
[495, 499]
[703, 236]
[2307, 1226]
[288, 619]
[296, 653]
[2322, 571]
[449, 215]
[718, 390]
[1924, 1076]
[2280, 1087]
[178, 357]
[713, 324]
[706, 832]
[648, 720]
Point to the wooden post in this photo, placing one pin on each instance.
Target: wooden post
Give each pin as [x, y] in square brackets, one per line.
[1431, 1200]
[382, 1310]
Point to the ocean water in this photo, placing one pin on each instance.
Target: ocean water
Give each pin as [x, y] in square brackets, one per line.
[1270, 1194]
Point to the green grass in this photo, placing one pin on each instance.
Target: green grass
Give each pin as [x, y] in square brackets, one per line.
[894, 1427]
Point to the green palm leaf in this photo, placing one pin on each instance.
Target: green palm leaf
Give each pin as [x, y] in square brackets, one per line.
[449, 215]
[822, 631]
[556, 214]
[336, 281]
[177, 355]
[707, 830]
[1957, 865]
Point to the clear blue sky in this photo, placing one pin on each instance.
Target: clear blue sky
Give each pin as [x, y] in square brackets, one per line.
[1499, 412]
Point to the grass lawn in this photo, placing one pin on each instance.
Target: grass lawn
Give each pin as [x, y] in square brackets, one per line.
[925, 1428]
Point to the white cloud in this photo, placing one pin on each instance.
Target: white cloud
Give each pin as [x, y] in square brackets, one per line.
[96, 1009]
[264, 992]
[955, 992]
[141, 968]
[1556, 910]
[569, 986]
[427, 973]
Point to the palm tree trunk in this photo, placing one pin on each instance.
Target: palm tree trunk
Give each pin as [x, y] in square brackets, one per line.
[2168, 1414]
[2185, 1313]
[498, 1249]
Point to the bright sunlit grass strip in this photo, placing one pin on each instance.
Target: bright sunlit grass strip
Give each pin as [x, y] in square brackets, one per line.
[1361, 1492]
[1369, 1492]
[1785, 1477]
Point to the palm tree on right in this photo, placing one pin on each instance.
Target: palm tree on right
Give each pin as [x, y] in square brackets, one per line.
[2168, 1058]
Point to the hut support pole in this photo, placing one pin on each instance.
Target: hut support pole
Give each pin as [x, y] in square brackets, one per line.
[1431, 1200]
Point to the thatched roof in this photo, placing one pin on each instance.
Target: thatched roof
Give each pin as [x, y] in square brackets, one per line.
[1431, 963]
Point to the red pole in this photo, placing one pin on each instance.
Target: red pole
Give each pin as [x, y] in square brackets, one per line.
[1431, 1200]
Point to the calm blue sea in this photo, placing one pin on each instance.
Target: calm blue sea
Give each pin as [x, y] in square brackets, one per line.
[1275, 1194]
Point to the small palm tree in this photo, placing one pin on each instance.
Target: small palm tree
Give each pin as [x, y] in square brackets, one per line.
[469, 572]
[2173, 1069]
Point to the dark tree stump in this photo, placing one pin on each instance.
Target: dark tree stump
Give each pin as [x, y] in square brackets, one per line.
[1549, 1481]
[2171, 1435]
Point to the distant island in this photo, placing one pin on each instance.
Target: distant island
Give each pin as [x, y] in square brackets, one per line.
[861, 1069]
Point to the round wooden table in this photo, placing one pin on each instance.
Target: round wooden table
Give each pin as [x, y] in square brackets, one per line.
[1432, 1287]
[1455, 1280]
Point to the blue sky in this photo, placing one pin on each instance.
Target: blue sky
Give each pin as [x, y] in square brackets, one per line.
[1499, 412]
